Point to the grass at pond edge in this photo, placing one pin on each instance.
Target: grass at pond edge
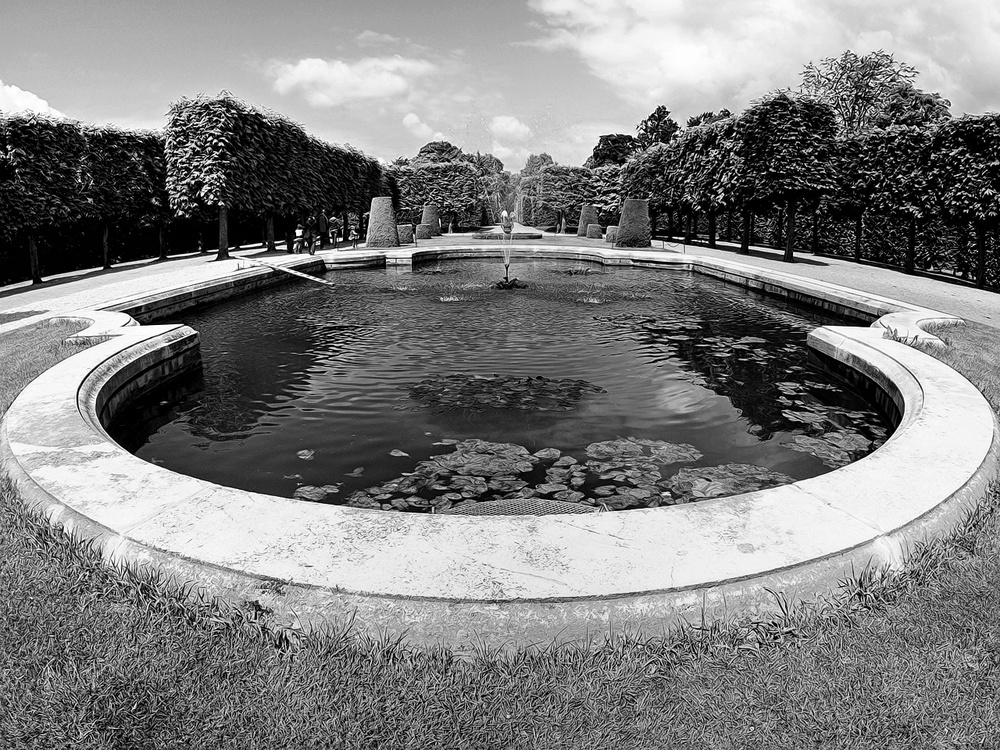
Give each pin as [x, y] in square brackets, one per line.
[96, 656]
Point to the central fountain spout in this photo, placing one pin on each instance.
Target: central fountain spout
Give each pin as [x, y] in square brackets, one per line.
[507, 225]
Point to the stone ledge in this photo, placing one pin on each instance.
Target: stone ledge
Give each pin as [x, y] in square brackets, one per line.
[458, 580]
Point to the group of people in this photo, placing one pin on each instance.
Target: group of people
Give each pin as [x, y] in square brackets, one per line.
[315, 231]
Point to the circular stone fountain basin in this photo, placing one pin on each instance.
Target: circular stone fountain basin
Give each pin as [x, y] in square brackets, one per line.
[461, 580]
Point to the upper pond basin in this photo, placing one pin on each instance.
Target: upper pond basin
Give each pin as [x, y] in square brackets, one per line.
[605, 388]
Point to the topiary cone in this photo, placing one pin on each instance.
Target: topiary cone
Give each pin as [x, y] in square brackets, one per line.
[594, 232]
[588, 215]
[612, 234]
[405, 232]
[633, 229]
[382, 224]
[431, 218]
[423, 232]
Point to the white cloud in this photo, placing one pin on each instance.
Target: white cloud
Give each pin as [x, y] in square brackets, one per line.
[14, 99]
[330, 83]
[509, 128]
[417, 126]
[692, 55]
[369, 38]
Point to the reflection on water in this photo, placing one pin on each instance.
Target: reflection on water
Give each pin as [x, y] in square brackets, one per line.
[345, 391]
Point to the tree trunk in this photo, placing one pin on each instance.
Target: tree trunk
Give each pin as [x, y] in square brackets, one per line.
[234, 220]
[745, 236]
[106, 244]
[815, 232]
[223, 234]
[269, 230]
[790, 234]
[289, 234]
[911, 245]
[779, 226]
[859, 230]
[729, 225]
[688, 219]
[670, 224]
[712, 229]
[162, 236]
[36, 266]
[980, 255]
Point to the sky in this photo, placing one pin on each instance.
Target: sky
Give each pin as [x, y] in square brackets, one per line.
[509, 77]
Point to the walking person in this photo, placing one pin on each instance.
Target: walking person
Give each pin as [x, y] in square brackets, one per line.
[323, 228]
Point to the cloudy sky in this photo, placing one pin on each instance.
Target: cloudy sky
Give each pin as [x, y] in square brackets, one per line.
[511, 77]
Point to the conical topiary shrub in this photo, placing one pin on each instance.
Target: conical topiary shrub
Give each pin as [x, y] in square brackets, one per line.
[633, 229]
[594, 232]
[424, 232]
[612, 234]
[405, 232]
[588, 215]
[431, 218]
[382, 224]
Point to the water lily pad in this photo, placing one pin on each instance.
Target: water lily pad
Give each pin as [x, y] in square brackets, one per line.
[835, 449]
[313, 494]
[476, 392]
[720, 481]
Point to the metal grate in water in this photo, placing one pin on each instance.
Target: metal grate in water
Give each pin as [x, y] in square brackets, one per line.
[529, 506]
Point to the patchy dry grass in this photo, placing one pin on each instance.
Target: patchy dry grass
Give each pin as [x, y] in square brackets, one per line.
[92, 657]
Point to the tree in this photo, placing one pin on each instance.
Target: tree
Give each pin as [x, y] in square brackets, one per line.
[707, 118]
[782, 157]
[438, 151]
[605, 193]
[659, 127]
[535, 163]
[452, 186]
[611, 150]
[910, 107]
[564, 189]
[964, 176]
[43, 161]
[223, 153]
[859, 89]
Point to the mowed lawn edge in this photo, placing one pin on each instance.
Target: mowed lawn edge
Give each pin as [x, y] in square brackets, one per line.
[93, 656]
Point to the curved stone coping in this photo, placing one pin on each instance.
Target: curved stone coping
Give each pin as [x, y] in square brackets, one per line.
[456, 579]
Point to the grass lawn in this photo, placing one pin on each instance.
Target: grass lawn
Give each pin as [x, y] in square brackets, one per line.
[97, 658]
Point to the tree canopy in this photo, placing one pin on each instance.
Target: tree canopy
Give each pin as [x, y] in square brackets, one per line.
[658, 127]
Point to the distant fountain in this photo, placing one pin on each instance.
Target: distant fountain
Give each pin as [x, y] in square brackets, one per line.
[507, 226]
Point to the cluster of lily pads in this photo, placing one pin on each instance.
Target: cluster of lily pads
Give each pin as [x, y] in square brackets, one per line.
[616, 475]
[754, 374]
[478, 392]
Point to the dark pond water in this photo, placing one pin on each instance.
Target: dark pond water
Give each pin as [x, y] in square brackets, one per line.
[427, 390]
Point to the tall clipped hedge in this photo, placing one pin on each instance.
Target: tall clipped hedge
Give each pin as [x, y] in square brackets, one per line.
[41, 186]
[125, 180]
[223, 153]
[452, 186]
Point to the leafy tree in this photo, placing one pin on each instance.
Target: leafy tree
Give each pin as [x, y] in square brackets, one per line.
[124, 180]
[535, 163]
[605, 193]
[859, 88]
[438, 151]
[783, 148]
[611, 150]
[453, 186]
[964, 176]
[895, 167]
[563, 189]
[659, 127]
[707, 118]
[910, 107]
[41, 164]
[223, 153]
